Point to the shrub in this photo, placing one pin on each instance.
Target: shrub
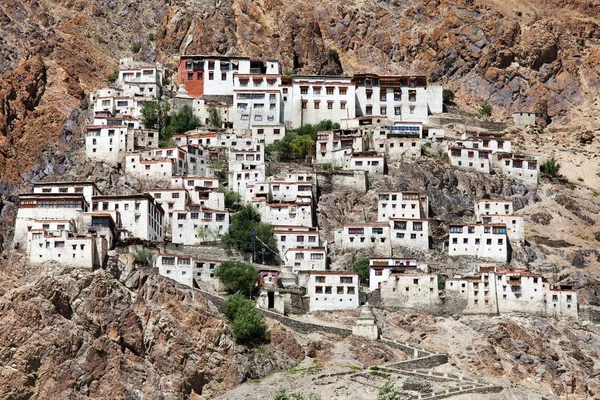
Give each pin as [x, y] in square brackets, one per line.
[441, 282]
[485, 110]
[136, 47]
[232, 199]
[283, 395]
[597, 235]
[361, 266]
[448, 96]
[184, 120]
[248, 322]
[551, 167]
[114, 76]
[143, 257]
[151, 37]
[570, 185]
[389, 392]
[215, 117]
[237, 276]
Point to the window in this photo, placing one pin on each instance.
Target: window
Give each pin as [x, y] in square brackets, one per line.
[304, 104]
[397, 110]
[223, 76]
[340, 290]
[369, 110]
[316, 90]
[320, 279]
[342, 105]
[317, 104]
[211, 76]
[382, 95]
[342, 91]
[299, 256]
[329, 90]
[330, 105]
[346, 279]
[350, 289]
[327, 289]
[383, 110]
[319, 289]
[59, 244]
[303, 89]
[184, 261]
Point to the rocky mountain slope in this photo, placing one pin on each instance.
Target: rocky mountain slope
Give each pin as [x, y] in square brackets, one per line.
[127, 334]
[516, 54]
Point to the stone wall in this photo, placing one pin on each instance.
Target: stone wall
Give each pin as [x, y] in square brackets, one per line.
[340, 181]
[295, 302]
[469, 121]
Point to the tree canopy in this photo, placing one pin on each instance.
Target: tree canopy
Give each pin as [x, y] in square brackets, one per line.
[300, 142]
[361, 267]
[238, 277]
[248, 322]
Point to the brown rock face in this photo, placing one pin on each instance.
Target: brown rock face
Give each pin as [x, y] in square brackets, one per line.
[78, 334]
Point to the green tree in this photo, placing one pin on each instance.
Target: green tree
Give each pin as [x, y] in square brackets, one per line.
[441, 282]
[361, 267]
[232, 199]
[486, 110]
[248, 322]
[448, 96]
[205, 234]
[155, 115]
[551, 167]
[238, 276]
[302, 146]
[215, 117]
[184, 120]
[241, 233]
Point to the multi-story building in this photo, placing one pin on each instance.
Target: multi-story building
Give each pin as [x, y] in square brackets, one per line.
[245, 167]
[87, 189]
[267, 134]
[136, 215]
[371, 163]
[519, 166]
[299, 213]
[108, 143]
[155, 168]
[380, 269]
[333, 290]
[293, 237]
[306, 258]
[479, 240]
[501, 291]
[195, 225]
[333, 146]
[66, 248]
[493, 207]
[494, 143]
[501, 212]
[140, 80]
[375, 235]
[398, 98]
[317, 98]
[280, 191]
[411, 290]
[477, 159]
[257, 102]
[408, 205]
[413, 233]
[186, 269]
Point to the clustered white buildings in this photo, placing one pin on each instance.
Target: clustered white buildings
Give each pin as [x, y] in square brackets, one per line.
[383, 119]
[493, 153]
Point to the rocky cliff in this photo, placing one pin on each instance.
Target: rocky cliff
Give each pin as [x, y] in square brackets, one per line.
[515, 54]
[132, 334]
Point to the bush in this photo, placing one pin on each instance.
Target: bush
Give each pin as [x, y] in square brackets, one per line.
[114, 76]
[448, 96]
[238, 277]
[389, 392]
[551, 167]
[151, 37]
[486, 110]
[232, 199]
[143, 257]
[248, 323]
[241, 233]
[570, 185]
[441, 282]
[597, 235]
[361, 267]
[136, 47]
[184, 120]
[155, 115]
[215, 117]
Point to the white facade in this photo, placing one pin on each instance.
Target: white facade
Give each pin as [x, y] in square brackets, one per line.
[317, 98]
[63, 247]
[245, 167]
[87, 189]
[306, 259]
[329, 291]
[290, 237]
[410, 290]
[332, 147]
[296, 214]
[524, 168]
[108, 143]
[267, 134]
[479, 160]
[495, 144]
[280, 191]
[481, 240]
[170, 200]
[366, 236]
[500, 291]
[372, 164]
[257, 101]
[158, 169]
[493, 207]
[408, 205]
[197, 225]
[185, 269]
[413, 233]
[136, 215]
[399, 149]
[380, 269]
[522, 119]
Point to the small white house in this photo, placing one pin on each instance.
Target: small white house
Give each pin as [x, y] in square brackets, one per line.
[108, 143]
[333, 290]
[522, 119]
[372, 164]
[411, 290]
[170, 200]
[196, 225]
[306, 258]
[65, 248]
[380, 269]
[480, 240]
[186, 269]
[156, 169]
[413, 233]
[289, 237]
[407, 205]
[332, 146]
[518, 166]
[479, 160]
[493, 207]
[297, 214]
[375, 235]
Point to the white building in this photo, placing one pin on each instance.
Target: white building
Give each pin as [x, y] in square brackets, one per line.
[186, 269]
[411, 290]
[522, 119]
[306, 259]
[380, 269]
[101, 225]
[479, 160]
[493, 143]
[136, 215]
[317, 98]
[329, 291]
[399, 98]
[156, 168]
[141, 80]
[245, 167]
[518, 166]
[407, 205]
[296, 214]
[479, 240]
[108, 143]
[87, 189]
[290, 237]
[170, 200]
[501, 291]
[34, 207]
[280, 191]
[65, 248]
[196, 225]
[333, 146]
[257, 101]
[267, 134]
[375, 235]
[413, 233]
[493, 207]
[501, 212]
[372, 164]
